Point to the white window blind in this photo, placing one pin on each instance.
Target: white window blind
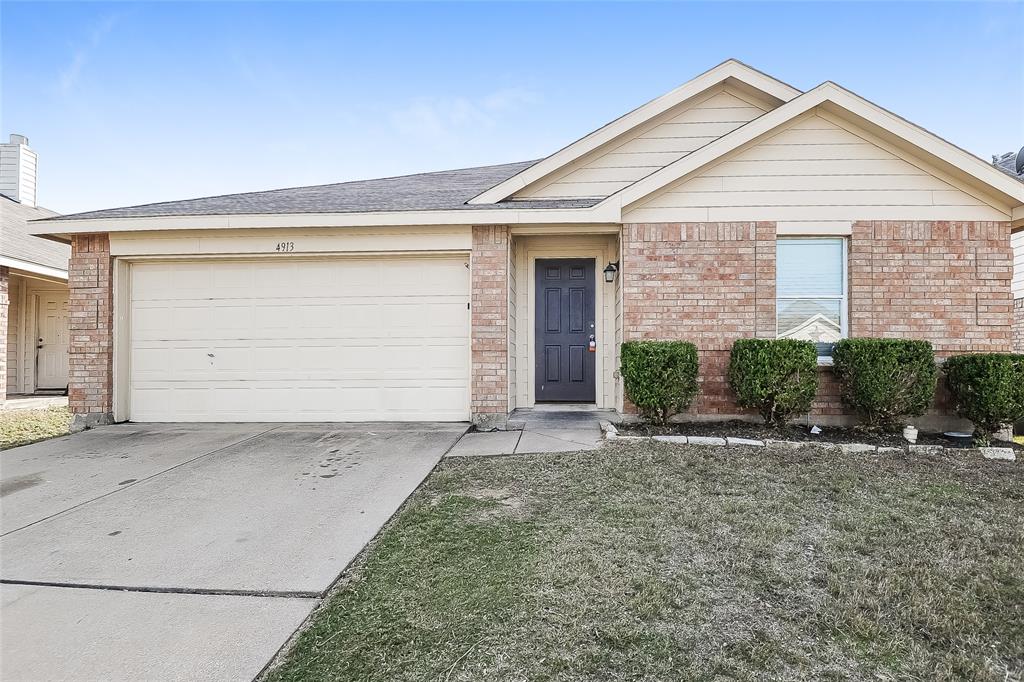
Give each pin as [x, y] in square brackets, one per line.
[810, 290]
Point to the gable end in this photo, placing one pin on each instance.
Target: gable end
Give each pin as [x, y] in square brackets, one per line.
[648, 148]
[816, 168]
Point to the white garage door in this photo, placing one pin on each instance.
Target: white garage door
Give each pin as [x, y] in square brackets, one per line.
[300, 340]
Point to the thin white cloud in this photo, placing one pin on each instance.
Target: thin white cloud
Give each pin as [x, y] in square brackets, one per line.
[70, 74]
[439, 120]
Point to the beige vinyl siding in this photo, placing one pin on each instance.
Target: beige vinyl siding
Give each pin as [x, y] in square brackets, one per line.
[1018, 264]
[18, 173]
[513, 299]
[15, 286]
[617, 362]
[23, 325]
[412, 238]
[813, 170]
[644, 150]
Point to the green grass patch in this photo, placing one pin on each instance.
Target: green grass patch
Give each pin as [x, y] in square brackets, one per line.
[21, 427]
[652, 562]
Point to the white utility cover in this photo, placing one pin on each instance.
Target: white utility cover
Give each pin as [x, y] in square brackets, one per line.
[288, 339]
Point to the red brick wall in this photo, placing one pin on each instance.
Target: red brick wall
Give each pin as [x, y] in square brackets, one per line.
[711, 283]
[1018, 325]
[946, 282]
[4, 302]
[91, 349]
[489, 322]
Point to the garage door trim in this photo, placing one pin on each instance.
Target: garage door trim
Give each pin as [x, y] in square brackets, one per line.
[123, 300]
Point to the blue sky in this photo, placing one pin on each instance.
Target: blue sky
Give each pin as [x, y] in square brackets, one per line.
[129, 103]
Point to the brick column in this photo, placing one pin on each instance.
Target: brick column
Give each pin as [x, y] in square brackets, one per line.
[90, 285]
[489, 326]
[4, 303]
[766, 326]
[1018, 325]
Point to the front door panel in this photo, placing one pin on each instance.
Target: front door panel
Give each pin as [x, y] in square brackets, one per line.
[52, 340]
[564, 329]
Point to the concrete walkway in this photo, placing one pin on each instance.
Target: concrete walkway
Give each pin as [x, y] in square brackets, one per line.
[188, 551]
[33, 402]
[536, 431]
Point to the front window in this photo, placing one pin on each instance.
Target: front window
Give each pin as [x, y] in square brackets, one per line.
[810, 290]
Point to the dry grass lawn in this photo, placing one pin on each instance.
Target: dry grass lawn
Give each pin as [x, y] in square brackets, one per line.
[648, 561]
[21, 427]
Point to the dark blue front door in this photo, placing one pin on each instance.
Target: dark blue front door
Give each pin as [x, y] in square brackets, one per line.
[565, 329]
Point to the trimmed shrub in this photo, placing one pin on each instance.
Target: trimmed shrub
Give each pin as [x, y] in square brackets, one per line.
[886, 380]
[988, 389]
[777, 377]
[660, 377]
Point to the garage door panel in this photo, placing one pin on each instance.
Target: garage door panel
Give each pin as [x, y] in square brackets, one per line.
[277, 340]
[297, 319]
[336, 362]
[316, 401]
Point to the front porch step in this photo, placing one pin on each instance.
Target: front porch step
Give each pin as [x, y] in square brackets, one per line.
[567, 418]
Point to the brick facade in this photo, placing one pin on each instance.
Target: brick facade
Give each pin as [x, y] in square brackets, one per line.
[1018, 325]
[946, 282]
[90, 288]
[4, 312]
[711, 283]
[489, 325]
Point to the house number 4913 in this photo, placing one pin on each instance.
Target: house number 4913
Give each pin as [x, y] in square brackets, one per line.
[283, 247]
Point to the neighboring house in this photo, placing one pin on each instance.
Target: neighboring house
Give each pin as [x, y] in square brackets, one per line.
[818, 328]
[1013, 164]
[465, 294]
[33, 283]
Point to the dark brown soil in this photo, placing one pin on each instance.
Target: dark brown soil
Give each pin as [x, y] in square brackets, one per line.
[794, 432]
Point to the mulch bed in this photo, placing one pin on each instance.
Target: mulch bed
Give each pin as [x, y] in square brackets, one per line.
[792, 432]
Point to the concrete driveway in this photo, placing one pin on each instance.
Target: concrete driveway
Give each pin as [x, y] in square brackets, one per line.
[178, 551]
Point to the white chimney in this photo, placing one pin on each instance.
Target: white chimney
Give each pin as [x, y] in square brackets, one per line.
[18, 170]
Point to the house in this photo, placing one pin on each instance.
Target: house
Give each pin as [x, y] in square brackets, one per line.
[1013, 164]
[465, 294]
[33, 283]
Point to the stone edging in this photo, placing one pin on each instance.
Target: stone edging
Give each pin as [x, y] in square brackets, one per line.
[612, 433]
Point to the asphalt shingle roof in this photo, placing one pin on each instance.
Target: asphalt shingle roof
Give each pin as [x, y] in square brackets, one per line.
[442, 190]
[16, 242]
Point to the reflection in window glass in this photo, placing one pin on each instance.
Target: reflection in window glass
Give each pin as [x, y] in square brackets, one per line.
[810, 291]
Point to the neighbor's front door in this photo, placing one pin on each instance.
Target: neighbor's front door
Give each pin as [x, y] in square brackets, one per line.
[52, 340]
[565, 330]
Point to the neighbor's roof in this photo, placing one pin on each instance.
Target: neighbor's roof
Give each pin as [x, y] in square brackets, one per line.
[442, 190]
[1011, 163]
[17, 243]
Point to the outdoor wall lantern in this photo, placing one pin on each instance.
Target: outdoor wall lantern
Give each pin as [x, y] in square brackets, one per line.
[610, 270]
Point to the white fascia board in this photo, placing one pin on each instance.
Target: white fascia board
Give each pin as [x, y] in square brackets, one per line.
[67, 227]
[728, 69]
[34, 268]
[845, 101]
